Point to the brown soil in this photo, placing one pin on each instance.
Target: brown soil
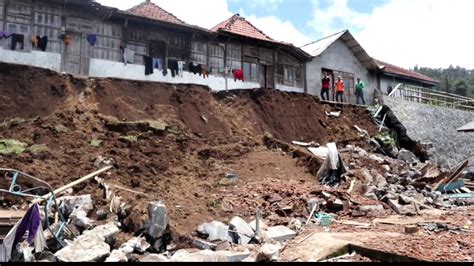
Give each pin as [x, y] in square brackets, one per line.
[217, 134]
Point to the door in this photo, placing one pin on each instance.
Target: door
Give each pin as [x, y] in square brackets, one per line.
[77, 55]
[270, 77]
[263, 76]
[72, 54]
[158, 50]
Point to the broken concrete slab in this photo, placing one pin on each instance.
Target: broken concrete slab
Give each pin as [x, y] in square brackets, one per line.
[201, 244]
[89, 248]
[117, 256]
[106, 231]
[215, 231]
[280, 233]
[79, 218]
[137, 244]
[158, 219]
[271, 251]
[230, 256]
[154, 258]
[243, 233]
[68, 204]
[261, 224]
[371, 208]
[321, 245]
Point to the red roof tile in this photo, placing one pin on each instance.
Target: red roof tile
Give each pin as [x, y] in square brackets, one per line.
[150, 10]
[240, 26]
[392, 69]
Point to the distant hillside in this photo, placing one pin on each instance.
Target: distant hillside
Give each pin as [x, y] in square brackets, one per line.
[460, 80]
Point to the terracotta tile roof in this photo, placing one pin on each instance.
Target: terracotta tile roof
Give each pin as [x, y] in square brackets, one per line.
[395, 70]
[152, 11]
[240, 26]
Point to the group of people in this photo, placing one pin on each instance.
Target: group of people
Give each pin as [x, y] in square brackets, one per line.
[340, 88]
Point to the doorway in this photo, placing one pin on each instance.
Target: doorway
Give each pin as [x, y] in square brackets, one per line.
[77, 55]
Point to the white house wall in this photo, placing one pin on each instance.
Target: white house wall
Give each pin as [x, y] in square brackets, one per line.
[108, 69]
[289, 89]
[40, 59]
[388, 81]
[339, 57]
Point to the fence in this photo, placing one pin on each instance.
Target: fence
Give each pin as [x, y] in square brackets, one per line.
[432, 97]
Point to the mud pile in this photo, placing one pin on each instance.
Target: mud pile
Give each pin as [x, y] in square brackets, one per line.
[190, 136]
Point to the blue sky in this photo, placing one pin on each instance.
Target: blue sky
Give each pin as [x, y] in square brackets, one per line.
[428, 33]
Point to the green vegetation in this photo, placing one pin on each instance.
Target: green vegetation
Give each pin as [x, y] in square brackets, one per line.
[95, 143]
[37, 149]
[12, 146]
[455, 80]
[130, 139]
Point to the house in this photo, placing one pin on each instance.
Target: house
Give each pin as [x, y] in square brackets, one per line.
[389, 76]
[340, 55]
[88, 39]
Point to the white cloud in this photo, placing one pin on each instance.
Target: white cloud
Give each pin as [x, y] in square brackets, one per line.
[208, 13]
[279, 30]
[432, 33]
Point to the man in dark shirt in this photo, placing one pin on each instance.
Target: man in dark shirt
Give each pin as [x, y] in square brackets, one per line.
[326, 85]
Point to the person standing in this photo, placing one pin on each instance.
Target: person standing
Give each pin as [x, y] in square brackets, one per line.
[360, 91]
[326, 86]
[340, 89]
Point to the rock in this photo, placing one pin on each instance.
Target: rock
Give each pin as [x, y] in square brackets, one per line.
[229, 256]
[158, 219]
[394, 205]
[337, 205]
[106, 231]
[90, 248]
[406, 156]
[244, 233]
[201, 244]
[280, 233]
[223, 245]
[215, 231]
[179, 255]
[411, 229]
[404, 199]
[380, 182]
[102, 214]
[376, 158]
[154, 258]
[79, 218]
[117, 256]
[261, 224]
[295, 224]
[137, 244]
[371, 208]
[69, 204]
[386, 167]
[391, 195]
[271, 251]
[274, 198]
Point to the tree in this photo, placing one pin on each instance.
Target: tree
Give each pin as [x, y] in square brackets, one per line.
[461, 87]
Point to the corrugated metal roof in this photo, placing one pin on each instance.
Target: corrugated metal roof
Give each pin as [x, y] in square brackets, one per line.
[467, 128]
[319, 47]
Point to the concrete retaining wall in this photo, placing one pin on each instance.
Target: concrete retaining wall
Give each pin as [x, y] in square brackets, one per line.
[437, 125]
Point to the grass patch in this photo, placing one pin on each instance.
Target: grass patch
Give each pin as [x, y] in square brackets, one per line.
[37, 149]
[131, 139]
[12, 146]
[216, 204]
[95, 143]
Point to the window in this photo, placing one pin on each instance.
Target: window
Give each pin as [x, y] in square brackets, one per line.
[289, 75]
[251, 71]
[199, 52]
[234, 56]
[216, 58]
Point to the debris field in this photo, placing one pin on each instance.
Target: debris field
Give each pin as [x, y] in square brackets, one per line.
[185, 174]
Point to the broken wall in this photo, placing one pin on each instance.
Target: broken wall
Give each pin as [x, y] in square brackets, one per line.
[436, 125]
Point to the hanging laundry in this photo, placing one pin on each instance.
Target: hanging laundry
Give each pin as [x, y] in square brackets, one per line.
[181, 68]
[35, 40]
[148, 65]
[42, 43]
[157, 63]
[238, 74]
[31, 222]
[4, 34]
[173, 64]
[92, 39]
[165, 72]
[18, 38]
[128, 56]
[195, 69]
[203, 71]
[68, 40]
